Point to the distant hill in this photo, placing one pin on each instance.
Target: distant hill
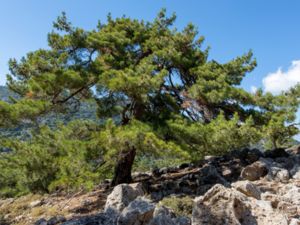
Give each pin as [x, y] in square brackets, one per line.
[5, 93]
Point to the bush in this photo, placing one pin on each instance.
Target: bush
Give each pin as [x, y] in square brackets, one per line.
[64, 159]
[182, 206]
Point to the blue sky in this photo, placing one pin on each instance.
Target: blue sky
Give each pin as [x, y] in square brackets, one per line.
[231, 27]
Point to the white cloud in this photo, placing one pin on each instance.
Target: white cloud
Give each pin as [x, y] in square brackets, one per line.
[253, 89]
[282, 80]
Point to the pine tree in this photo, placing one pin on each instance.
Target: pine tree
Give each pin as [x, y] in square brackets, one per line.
[145, 74]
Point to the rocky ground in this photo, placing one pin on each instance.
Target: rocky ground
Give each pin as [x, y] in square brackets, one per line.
[244, 187]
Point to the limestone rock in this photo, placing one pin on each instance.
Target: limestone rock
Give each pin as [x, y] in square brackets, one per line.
[221, 206]
[162, 216]
[138, 212]
[122, 195]
[254, 171]
[282, 175]
[247, 188]
[294, 221]
[227, 206]
[276, 171]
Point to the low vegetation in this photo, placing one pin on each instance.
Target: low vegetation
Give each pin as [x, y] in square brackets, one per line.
[181, 206]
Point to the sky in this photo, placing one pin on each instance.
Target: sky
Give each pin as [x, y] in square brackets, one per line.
[271, 28]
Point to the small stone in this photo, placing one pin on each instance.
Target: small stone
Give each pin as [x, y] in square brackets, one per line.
[56, 220]
[35, 203]
[41, 222]
[210, 158]
[283, 175]
[226, 172]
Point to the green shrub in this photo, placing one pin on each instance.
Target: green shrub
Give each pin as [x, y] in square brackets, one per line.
[51, 160]
[182, 206]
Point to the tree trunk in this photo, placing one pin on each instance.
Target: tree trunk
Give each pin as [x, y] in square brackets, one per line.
[123, 168]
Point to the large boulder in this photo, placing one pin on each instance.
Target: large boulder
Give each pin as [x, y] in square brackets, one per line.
[227, 206]
[122, 195]
[138, 212]
[221, 206]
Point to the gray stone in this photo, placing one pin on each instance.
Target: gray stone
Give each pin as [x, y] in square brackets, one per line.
[182, 221]
[295, 172]
[138, 212]
[41, 222]
[56, 220]
[122, 195]
[162, 216]
[282, 175]
[227, 206]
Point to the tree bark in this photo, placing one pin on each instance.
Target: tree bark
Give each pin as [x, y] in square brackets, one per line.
[123, 168]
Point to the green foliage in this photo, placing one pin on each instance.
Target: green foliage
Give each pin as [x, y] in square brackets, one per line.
[215, 138]
[147, 142]
[51, 160]
[77, 156]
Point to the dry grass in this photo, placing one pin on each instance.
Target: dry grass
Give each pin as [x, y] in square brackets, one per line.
[28, 209]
